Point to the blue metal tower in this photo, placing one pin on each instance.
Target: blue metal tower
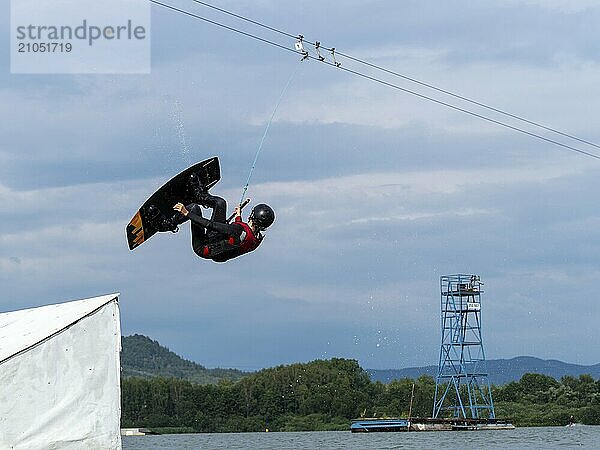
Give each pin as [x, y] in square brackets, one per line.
[461, 385]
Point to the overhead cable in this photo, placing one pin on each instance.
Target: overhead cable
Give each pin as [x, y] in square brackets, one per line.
[317, 45]
[304, 54]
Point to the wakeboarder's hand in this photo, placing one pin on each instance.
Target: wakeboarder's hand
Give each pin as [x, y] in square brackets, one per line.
[179, 207]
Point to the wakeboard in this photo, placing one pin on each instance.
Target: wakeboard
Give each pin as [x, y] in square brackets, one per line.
[141, 227]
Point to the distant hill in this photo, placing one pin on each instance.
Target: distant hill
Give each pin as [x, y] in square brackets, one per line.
[500, 371]
[146, 358]
[143, 357]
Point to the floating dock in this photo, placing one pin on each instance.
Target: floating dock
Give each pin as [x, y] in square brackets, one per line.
[428, 424]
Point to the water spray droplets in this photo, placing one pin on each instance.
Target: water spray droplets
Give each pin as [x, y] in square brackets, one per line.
[179, 126]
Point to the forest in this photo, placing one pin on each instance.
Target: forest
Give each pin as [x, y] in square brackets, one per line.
[327, 394]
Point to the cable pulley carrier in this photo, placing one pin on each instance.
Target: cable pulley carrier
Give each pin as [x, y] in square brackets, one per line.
[299, 46]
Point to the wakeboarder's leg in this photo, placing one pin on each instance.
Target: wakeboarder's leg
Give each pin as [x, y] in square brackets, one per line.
[199, 237]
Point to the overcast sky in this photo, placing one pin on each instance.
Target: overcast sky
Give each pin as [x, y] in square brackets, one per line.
[377, 192]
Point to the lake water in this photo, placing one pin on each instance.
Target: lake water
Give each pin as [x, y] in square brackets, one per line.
[580, 436]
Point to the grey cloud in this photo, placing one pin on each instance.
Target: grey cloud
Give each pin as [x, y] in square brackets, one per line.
[368, 216]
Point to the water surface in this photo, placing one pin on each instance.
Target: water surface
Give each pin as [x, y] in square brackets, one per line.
[522, 438]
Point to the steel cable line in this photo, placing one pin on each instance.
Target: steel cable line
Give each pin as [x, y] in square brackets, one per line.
[405, 77]
[378, 80]
[466, 111]
[474, 102]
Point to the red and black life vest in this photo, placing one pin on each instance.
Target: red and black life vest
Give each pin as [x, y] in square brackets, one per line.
[232, 246]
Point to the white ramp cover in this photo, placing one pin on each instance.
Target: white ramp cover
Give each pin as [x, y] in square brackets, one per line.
[60, 376]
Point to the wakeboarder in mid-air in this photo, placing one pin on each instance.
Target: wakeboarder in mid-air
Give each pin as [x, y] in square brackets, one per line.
[215, 238]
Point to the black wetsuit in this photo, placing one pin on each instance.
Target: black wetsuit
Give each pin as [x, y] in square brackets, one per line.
[216, 239]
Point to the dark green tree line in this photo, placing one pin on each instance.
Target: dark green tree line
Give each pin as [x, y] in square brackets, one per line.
[326, 395]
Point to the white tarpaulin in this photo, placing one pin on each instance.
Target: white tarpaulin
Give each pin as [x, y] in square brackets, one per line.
[60, 376]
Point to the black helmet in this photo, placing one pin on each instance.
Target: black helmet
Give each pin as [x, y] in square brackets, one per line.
[262, 215]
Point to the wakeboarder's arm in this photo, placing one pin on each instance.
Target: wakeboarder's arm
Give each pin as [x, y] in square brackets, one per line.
[208, 224]
[181, 208]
